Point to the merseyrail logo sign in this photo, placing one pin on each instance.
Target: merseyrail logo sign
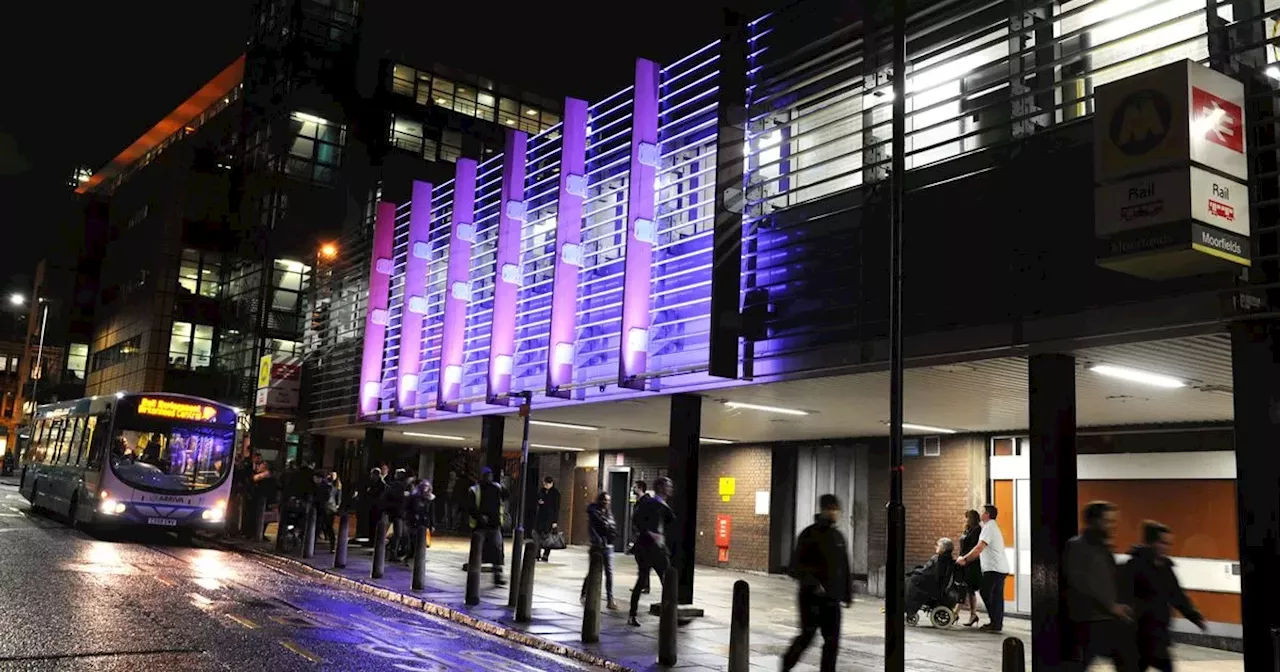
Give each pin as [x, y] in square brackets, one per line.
[176, 410]
[1141, 122]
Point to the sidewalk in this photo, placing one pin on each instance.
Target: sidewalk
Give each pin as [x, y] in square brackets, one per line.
[703, 644]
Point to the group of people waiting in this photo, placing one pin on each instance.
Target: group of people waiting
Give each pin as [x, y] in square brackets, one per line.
[406, 502]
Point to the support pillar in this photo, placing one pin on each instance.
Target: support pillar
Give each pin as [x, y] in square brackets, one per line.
[373, 456]
[1051, 390]
[491, 442]
[1255, 362]
[682, 467]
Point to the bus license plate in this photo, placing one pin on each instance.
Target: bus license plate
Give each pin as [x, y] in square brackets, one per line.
[166, 522]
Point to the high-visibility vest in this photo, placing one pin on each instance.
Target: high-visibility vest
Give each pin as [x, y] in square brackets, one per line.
[475, 490]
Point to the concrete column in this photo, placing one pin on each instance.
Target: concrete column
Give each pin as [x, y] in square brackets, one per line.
[1255, 361]
[491, 441]
[1052, 397]
[373, 454]
[682, 467]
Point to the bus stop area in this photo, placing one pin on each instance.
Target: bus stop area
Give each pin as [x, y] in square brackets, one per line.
[702, 643]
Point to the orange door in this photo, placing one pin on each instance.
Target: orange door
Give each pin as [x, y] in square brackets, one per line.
[1002, 494]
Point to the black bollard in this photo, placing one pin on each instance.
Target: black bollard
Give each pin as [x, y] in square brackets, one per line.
[235, 509]
[419, 558]
[667, 620]
[517, 557]
[280, 531]
[379, 548]
[524, 604]
[309, 533]
[473, 569]
[740, 628]
[1013, 658]
[340, 552]
[259, 513]
[591, 608]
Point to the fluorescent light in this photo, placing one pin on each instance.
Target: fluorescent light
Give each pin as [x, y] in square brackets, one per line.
[304, 117]
[548, 447]
[707, 439]
[767, 409]
[442, 437]
[925, 428]
[1136, 376]
[563, 425]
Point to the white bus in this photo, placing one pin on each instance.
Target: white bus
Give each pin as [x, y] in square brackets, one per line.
[159, 460]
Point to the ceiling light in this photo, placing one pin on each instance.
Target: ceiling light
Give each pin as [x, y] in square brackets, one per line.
[563, 425]
[548, 447]
[767, 409]
[1273, 72]
[1136, 376]
[707, 439]
[305, 118]
[442, 437]
[925, 428]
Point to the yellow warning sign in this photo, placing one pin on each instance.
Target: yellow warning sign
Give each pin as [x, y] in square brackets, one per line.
[727, 486]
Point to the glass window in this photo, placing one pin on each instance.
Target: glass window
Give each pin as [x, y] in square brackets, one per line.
[465, 100]
[210, 275]
[402, 80]
[450, 145]
[189, 271]
[485, 106]
[77, 359]
[202, 346]
[508, 112]
[442, 92]
[406, 134]
[180, 345]
[181, 458]
[316, 147]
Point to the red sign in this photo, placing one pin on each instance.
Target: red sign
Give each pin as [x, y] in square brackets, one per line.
[1217, 120]
[1222, 210]
[724, 528]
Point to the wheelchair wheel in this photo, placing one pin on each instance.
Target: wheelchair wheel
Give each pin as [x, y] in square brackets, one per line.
[913, 619]
[942, 617]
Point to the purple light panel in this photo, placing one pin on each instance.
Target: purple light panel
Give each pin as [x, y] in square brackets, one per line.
[641, 227]
[376, 308]
[457, 290]
[415, 298]
[509, 272]
[564, 284]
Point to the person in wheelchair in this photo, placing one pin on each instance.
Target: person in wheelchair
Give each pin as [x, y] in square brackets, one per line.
[935, 586]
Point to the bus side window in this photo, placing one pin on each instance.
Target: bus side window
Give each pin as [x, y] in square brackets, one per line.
[75, 451]
[53, 441]
[95, 440]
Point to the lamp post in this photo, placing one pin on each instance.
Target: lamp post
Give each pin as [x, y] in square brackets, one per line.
[17, 299]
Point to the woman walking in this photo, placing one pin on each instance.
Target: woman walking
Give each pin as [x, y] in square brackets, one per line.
[972, 573]
[420, 515]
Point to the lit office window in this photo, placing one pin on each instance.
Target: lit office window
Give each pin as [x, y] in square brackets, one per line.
[402, 80]
[1134, 37]
[450, 145]
[190, 345]
[288, 284]
[200, 273]
[77, 359]
[316, 148]
[486, 106]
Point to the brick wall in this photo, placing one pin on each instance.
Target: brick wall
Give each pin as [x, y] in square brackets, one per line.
[646, 465]
[937, 491]
[751, 467]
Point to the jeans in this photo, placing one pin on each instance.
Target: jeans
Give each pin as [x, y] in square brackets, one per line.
[992, 591]
[817, 612]
[648, 557]
[1106, 639]
[607, 553]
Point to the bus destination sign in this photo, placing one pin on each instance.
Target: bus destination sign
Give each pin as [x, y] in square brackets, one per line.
[177, 410]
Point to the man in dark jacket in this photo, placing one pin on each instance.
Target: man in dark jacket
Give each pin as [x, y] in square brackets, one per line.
[822, 565]
[547, 517]
[640, 490]
[486, 507]
[1099, 618]
[1155, 590]
[652, 517]
[603, 532]
[394, 498]
[371, 500]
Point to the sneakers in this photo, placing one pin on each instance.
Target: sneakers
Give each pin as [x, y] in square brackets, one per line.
[613, 606]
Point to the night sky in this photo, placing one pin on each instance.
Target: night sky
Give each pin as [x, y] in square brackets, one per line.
[82, 79]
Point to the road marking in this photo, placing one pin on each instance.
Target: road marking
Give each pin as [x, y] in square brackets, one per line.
[200, 600]
[294, 647]
[165, 581]
[243, 621]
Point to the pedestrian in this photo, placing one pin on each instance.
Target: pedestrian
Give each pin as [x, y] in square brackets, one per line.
[971, 573]
[239, 516]
[394, 499]
[263, 494]
[1154, 590]
[602, 530]
[487, 505]
[989, 553]
[652, 517]
[1098, 616]
[822, 567]
[331, 506]
[547, 517]
[420, 514]
[321, 491]
[639, 492]
[374, 488]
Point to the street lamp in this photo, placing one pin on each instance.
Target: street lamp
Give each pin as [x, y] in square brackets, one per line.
[17, 299]
[328, 251]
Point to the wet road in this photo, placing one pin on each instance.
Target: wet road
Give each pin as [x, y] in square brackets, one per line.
[72, 601]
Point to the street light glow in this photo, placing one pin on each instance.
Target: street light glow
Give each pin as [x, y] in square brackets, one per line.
[16, 299]
[328, 251]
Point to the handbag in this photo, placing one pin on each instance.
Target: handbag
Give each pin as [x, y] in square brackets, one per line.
[554, 540]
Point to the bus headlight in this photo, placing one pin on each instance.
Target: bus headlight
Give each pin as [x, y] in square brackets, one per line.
[217, 513]
[111, 507]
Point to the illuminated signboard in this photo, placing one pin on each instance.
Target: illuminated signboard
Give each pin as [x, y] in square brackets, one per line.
[177, 410]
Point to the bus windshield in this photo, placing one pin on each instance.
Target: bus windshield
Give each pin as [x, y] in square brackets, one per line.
[180, 459]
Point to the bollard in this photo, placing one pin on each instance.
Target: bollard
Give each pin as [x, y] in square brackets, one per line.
[517, 557]
[473, 569]
[591, 607]
[740, 628]
[1013, 658]
[667, 620]
[524, 603]
[379, 548]
[419, 558]
[280, 531]
[309, 533]
[340, 553]
[1275, 646]
[235, 509]
[259, 531]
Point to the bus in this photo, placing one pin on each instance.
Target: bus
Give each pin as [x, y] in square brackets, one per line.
[133, 460]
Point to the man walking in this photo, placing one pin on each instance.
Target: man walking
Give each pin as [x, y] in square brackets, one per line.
[995, 567]
[1149, 573]
[640, 490]
[822, 566]
[1098, 617]
[487, 502]
[547, 517]
[603, 530]
[652, 517]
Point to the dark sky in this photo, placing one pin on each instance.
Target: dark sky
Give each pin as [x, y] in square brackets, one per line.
[84, 78]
